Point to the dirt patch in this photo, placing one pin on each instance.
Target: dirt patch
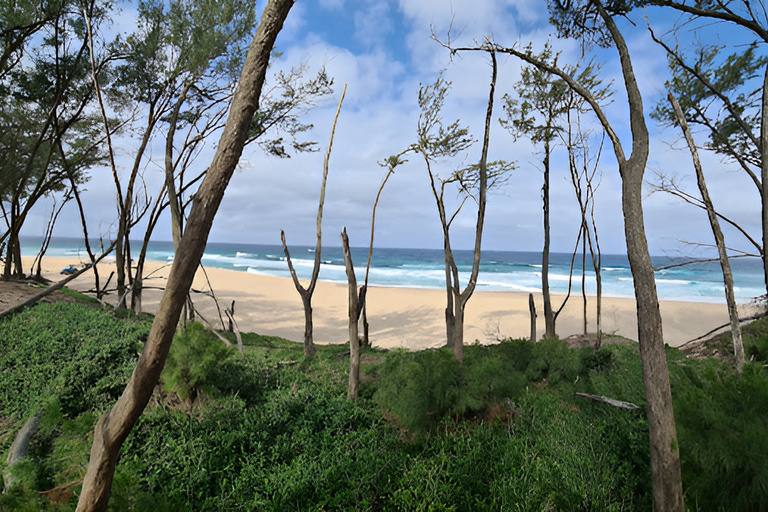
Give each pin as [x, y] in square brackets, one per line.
[15, 292]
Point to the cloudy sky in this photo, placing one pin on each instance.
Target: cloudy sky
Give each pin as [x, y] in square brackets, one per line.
[383, 50]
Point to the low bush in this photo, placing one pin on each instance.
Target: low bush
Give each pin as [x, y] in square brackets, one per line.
[192, 361]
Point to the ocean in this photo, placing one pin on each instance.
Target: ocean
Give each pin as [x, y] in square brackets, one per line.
[424, 268]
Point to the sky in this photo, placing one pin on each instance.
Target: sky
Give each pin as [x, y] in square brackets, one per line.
[383, 50]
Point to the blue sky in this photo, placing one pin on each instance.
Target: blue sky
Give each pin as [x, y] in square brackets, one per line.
[383, 50]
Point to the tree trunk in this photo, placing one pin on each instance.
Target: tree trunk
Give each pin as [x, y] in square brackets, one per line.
[458, 331]
[764, 175]
[665, 455]
[532, 311]
[725, 265]
[584, 273]
[20, 448]
[549, 315]
[115, 425]
[354, 315]
[309, 342]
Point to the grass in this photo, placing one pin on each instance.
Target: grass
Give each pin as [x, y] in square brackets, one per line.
[272, 430]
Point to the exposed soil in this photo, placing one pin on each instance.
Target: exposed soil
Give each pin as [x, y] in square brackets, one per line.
[16, 291]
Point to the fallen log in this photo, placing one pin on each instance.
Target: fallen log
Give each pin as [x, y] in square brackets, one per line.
[610, 401]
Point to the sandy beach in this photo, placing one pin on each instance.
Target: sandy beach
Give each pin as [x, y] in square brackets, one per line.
[399, 317]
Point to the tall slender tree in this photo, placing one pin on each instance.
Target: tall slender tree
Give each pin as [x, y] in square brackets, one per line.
[539, 111]
[592, 22]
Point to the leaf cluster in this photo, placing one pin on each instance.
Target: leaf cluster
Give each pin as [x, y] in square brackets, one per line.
[282, 106]
[581, 19]
[543, 100]
[718, 93]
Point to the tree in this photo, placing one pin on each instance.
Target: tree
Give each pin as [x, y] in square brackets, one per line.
[740, 134]
[544, 103]
[49, 136]
[717, 232]
[306, 293]
[593, 23]
[390, 163]
[583, 167]
[115, 425]
[179, 69]
[435, 141]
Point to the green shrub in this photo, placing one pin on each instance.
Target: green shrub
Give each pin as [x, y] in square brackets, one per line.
[487, 379]
[192, 361]
[419, 387]
[722, 420]
[554, 361]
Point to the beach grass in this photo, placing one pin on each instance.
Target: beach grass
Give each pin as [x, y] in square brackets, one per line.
[272, 430]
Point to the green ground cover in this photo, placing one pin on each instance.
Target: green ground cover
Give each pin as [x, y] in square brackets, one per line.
[272, 430]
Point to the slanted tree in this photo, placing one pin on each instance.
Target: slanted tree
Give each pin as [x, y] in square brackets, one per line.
[742, 132]
[114, 426]
[717, 232]
[307, 292]
[592, 22]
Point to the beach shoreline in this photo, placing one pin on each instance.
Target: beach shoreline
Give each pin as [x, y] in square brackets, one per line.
[411, 318]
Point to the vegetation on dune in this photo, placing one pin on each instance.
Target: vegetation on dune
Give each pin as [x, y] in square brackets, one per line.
[273, 431]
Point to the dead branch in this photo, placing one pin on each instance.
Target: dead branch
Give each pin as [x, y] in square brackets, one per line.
[610, 401]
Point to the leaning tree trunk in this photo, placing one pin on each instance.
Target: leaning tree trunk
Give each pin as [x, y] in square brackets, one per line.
[725, 265]
[115, 425]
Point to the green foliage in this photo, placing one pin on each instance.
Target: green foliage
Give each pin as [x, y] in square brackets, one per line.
[506, 432]
[82, 356]
[192, 361]
[720, 93]
[419, 387]
[723, 432]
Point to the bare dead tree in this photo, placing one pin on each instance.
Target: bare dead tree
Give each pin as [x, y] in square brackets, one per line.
[306, 293]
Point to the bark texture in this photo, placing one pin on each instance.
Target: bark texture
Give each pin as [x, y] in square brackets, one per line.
[115, 425]
[355, 305]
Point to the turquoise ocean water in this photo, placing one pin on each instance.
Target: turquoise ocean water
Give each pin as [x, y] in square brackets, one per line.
[424, 268]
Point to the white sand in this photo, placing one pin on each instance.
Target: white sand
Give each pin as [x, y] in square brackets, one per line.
[399, 317]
